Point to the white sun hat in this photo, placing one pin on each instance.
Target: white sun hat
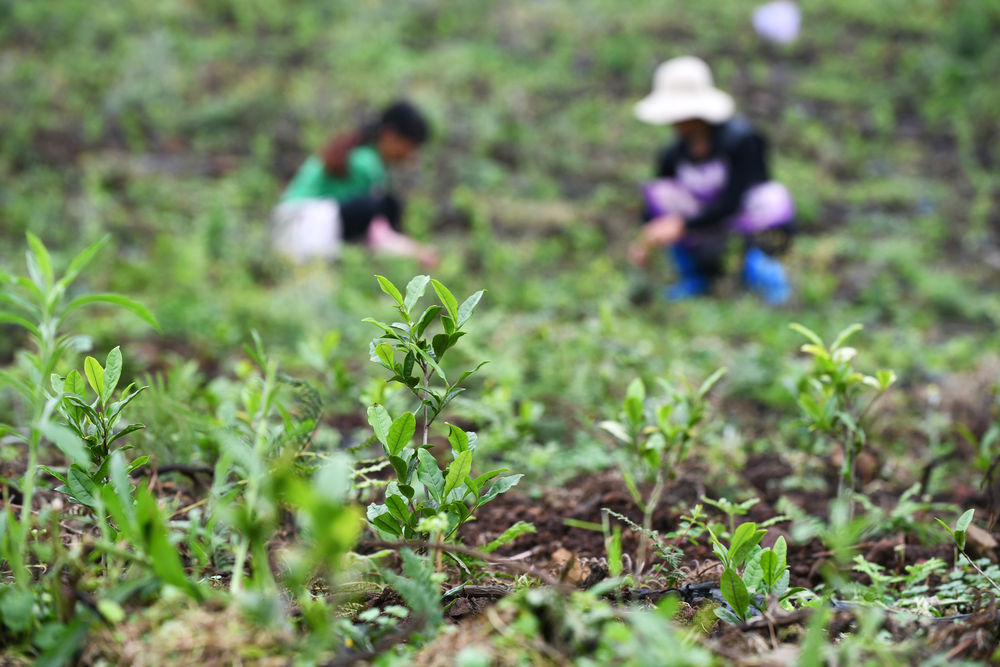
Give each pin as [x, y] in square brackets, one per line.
[683, 90]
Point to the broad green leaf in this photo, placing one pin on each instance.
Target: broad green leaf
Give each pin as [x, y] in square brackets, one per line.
[430, 475]
[426, 319]
[119, 479]
[81, 487]
[636, 389]
[112, 373]
[745, 538]
[385, 352]
[781, 551]
[95, 375]
[381, 422]
[770, 570]
[466, 309]
[399, 465]
[965, 520]
[440, 343]
[447, 299]
[75, 384]
[386, 523]
[40, 261]
[633, 409]
[735, 592]
[67, 441]
[457, 471]
[753, 573]
[114, 299]
[808, 333]
[397, 507]
[458, 438]
[414, 291]
[400, 433]
[502, 485]
[390, 289]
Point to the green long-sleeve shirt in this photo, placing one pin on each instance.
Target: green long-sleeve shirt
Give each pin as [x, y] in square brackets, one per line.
[365, 172]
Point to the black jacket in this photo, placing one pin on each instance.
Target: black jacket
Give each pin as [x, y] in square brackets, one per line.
[745, 153]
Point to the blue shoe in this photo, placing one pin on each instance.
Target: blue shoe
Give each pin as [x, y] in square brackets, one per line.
[686, 288]
[692, 282]
[765, 276]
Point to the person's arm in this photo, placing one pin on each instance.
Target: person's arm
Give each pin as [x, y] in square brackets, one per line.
[747, 167]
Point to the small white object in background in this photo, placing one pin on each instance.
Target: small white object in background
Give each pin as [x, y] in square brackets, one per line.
[778, 21]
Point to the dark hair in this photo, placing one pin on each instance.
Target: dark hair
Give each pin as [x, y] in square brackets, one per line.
[401, 117]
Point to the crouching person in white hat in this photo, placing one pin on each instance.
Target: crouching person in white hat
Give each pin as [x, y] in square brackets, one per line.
[712, 182]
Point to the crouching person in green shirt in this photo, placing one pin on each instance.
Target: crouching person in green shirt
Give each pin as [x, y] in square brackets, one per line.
[341, 194]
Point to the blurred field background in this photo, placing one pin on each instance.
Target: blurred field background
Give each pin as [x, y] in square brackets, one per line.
[173, 126]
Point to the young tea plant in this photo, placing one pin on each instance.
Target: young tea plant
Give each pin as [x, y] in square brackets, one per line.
[836, 399]
[426, 499]
[658, 439]
[958, 534]
[765, 573]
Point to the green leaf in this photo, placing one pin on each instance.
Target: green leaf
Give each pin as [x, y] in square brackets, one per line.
[75, 384]
[447, 299]
[385, 353]
[399, 465]
[95, 375]
[745, 538]
[400, 433]
[390, 289]
[11, 318]
[40, 261]
[710, 381]
[81, 487]
[770, 569]
[502, 485]
[131, 428]
[457, 471]
[735, 592]
[80, 261]
[111, 610]
[112, 373]
[808, 333]
[458, 438]
[615, 429]
[633, 410]
[753, 573]
[16, 608]
[414, 291]
[844, 335]
[426, 319]
[440, 343]
[965, 520]
[114, 299]
[397, 507]
[430, 475]
[506, 537]
[67, 441]
[381, 422]
[387, 523]
[467, 307]
[163, 555]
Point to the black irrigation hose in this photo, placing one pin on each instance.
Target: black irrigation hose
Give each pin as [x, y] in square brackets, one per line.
[709, 590]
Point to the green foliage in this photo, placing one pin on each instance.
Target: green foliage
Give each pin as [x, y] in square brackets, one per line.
[423, 489]
[836, 399]
[751, 573]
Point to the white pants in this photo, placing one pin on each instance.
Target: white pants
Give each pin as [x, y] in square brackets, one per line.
[306, 229]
